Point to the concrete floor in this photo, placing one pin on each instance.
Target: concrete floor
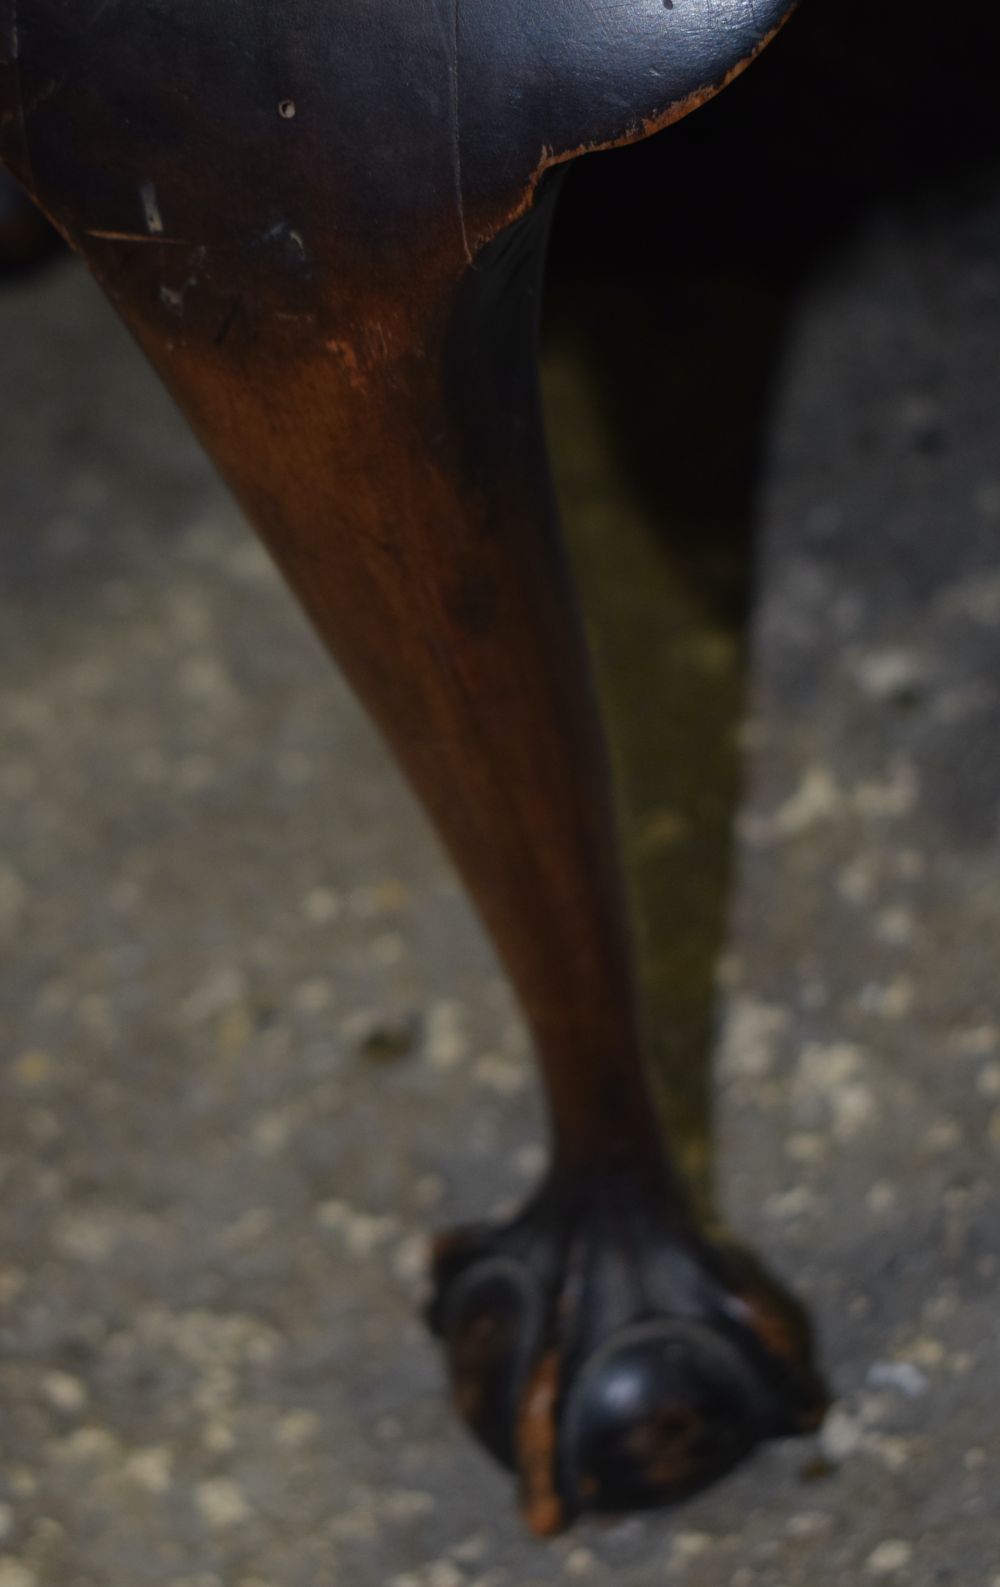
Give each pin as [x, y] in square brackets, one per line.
[254, 1045]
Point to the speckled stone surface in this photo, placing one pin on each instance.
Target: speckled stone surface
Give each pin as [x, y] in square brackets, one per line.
[254, 1046]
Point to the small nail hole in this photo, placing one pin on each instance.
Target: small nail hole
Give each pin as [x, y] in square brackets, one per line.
[286, 109]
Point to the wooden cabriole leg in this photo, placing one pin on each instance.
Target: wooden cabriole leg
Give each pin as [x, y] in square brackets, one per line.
[328, 234]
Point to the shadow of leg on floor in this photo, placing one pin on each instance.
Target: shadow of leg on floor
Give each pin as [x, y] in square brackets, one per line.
[676, 269]
[657, 402]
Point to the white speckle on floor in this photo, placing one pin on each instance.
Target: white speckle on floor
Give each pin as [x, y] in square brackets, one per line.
[889, 1557]
[221, 1503]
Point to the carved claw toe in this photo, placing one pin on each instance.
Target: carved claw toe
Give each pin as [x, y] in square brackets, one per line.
[612, 1361]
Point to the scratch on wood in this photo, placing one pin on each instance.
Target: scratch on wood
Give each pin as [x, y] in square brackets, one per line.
[139, 236]
[229, 320]
[456, 125]
[151, 208]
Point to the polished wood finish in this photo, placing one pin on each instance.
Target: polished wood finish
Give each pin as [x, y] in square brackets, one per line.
[325, 224]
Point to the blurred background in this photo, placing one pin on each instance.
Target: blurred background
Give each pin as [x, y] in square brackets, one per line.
[254, 1045]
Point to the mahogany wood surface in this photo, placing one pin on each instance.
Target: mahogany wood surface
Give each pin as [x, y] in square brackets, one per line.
[325, 224]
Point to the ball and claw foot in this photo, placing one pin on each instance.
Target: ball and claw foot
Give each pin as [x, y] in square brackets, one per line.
[615, 1361]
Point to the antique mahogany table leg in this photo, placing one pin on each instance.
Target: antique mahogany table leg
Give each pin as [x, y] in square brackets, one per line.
[326, 226]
